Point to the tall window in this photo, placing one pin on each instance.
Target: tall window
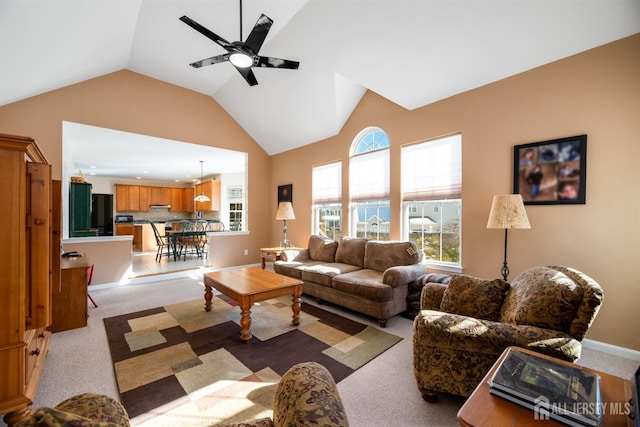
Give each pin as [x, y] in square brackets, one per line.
[327, 200]
[431, 195]
[235, 199]
[369, 185]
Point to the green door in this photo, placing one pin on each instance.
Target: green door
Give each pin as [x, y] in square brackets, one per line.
[80, 209]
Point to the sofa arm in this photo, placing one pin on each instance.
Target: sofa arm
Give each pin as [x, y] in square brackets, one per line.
[307, 395]
[402, 274]
[431, 296]
[454, 331]
[290, 255]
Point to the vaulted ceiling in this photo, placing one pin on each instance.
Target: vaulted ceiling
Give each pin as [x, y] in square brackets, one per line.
[412, 52]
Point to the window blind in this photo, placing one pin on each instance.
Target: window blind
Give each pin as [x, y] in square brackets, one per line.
[369, 176]
[432, 170]
[327, 183]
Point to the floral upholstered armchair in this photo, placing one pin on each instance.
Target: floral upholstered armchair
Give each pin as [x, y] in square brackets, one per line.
[464, 326]
[306, 396]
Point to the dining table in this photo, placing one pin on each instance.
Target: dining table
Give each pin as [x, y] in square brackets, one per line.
[174, 235]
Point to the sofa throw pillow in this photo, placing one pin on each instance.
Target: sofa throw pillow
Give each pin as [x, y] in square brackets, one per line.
[474, 297]
[351, 251]
[380, 255]
[542, 297]
[322, 249]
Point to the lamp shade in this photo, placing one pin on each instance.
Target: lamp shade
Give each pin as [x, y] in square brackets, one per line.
[507, 211]
[285, 211]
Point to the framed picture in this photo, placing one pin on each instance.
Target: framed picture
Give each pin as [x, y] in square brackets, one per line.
[551, 172]
[285, 193]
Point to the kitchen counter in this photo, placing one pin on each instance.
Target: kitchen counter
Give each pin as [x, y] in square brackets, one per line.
[144, 240]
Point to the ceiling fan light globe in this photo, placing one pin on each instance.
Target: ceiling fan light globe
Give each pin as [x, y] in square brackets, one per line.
[241, 60]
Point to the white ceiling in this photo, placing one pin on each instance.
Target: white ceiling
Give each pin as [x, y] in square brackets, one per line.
[412, 52]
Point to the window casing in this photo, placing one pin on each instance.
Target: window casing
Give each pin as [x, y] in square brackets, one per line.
[369, 178]
[432, 205]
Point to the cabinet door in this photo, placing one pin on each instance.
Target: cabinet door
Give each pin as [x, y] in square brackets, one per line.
[80, 215]
[176, 200]
[122, 198]
[133, 201]
[188, 205]
[211, 189]
[144, 197]
[39, 237]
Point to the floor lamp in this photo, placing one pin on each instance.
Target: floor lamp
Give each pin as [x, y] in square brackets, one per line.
[285, 212]
[507, 211]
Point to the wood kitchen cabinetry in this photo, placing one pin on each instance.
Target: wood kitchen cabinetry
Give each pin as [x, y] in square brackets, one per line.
[26, 267]
[138, 198]
[211, 189]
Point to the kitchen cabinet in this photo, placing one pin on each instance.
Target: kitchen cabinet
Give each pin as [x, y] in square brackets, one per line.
[80, 210]
[211, 189]
[125, 229]
[188, 205]
[176, 200]
[26, 268]
[144, 240]
[132, 198]
[160, 195]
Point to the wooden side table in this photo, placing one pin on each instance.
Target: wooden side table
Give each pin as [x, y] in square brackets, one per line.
[485, 409]
[273, 254]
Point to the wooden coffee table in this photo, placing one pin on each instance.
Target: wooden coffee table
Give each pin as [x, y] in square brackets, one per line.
[249, 285]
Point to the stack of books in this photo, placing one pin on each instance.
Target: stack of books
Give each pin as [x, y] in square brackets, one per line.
[566, 393]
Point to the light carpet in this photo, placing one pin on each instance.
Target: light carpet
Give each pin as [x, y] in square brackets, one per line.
[182, 365]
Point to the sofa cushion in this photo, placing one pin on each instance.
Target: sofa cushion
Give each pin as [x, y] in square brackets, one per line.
[351, 251]
[380, 255]
[322, 249]
[542, 297]
[323, 273]
[294, 268]
[364, 283]
[474, 297]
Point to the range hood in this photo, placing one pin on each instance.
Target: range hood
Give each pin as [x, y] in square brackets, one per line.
[159, 206]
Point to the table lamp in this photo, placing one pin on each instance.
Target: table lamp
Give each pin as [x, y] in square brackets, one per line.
[507, 211]
[285, 212]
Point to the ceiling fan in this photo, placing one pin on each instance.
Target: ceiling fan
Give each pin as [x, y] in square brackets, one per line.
[242, 55]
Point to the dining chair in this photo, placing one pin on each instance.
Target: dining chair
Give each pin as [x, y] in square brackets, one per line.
[162, 241]
[89, 277]
[188, 244]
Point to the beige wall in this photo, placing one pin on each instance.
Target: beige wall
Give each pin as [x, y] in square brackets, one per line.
[595, 93]
[131, 102]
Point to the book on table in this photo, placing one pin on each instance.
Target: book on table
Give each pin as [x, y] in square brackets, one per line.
[566, 393]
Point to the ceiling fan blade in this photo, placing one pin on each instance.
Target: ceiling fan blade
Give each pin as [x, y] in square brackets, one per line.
[269, 62]
[209, 61]
[248, 75]
[259, 33]
[207, 33]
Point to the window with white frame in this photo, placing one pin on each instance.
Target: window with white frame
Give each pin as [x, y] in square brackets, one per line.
[369, 185]
[431, 195]
[327, 200]
[235, 199]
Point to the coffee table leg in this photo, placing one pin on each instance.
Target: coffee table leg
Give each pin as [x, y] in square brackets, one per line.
[245, 322]
[208, 294]
[295, 306]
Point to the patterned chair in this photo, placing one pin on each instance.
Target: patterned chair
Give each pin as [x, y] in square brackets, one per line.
[88, 409]
[306, 396]
[464, 326]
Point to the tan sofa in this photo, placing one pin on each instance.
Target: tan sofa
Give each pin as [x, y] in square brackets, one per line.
[367, 276]
[464, 326]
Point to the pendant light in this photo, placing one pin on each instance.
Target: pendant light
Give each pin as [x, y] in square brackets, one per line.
[201, 197]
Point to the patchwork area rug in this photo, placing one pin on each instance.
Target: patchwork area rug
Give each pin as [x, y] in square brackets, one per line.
[182, 365]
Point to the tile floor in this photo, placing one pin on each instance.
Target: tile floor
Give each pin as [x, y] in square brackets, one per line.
[145, 264]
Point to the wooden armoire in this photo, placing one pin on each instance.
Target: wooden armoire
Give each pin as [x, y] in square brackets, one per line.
[27, 261]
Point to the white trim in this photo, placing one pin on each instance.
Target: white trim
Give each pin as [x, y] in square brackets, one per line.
[615, 350]
[164, 276]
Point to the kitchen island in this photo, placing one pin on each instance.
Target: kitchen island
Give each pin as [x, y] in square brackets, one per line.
[144, 240]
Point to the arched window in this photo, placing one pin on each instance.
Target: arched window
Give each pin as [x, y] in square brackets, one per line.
[369, 179]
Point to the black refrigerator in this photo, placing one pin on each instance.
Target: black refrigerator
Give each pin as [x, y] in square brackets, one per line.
[102, 213]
